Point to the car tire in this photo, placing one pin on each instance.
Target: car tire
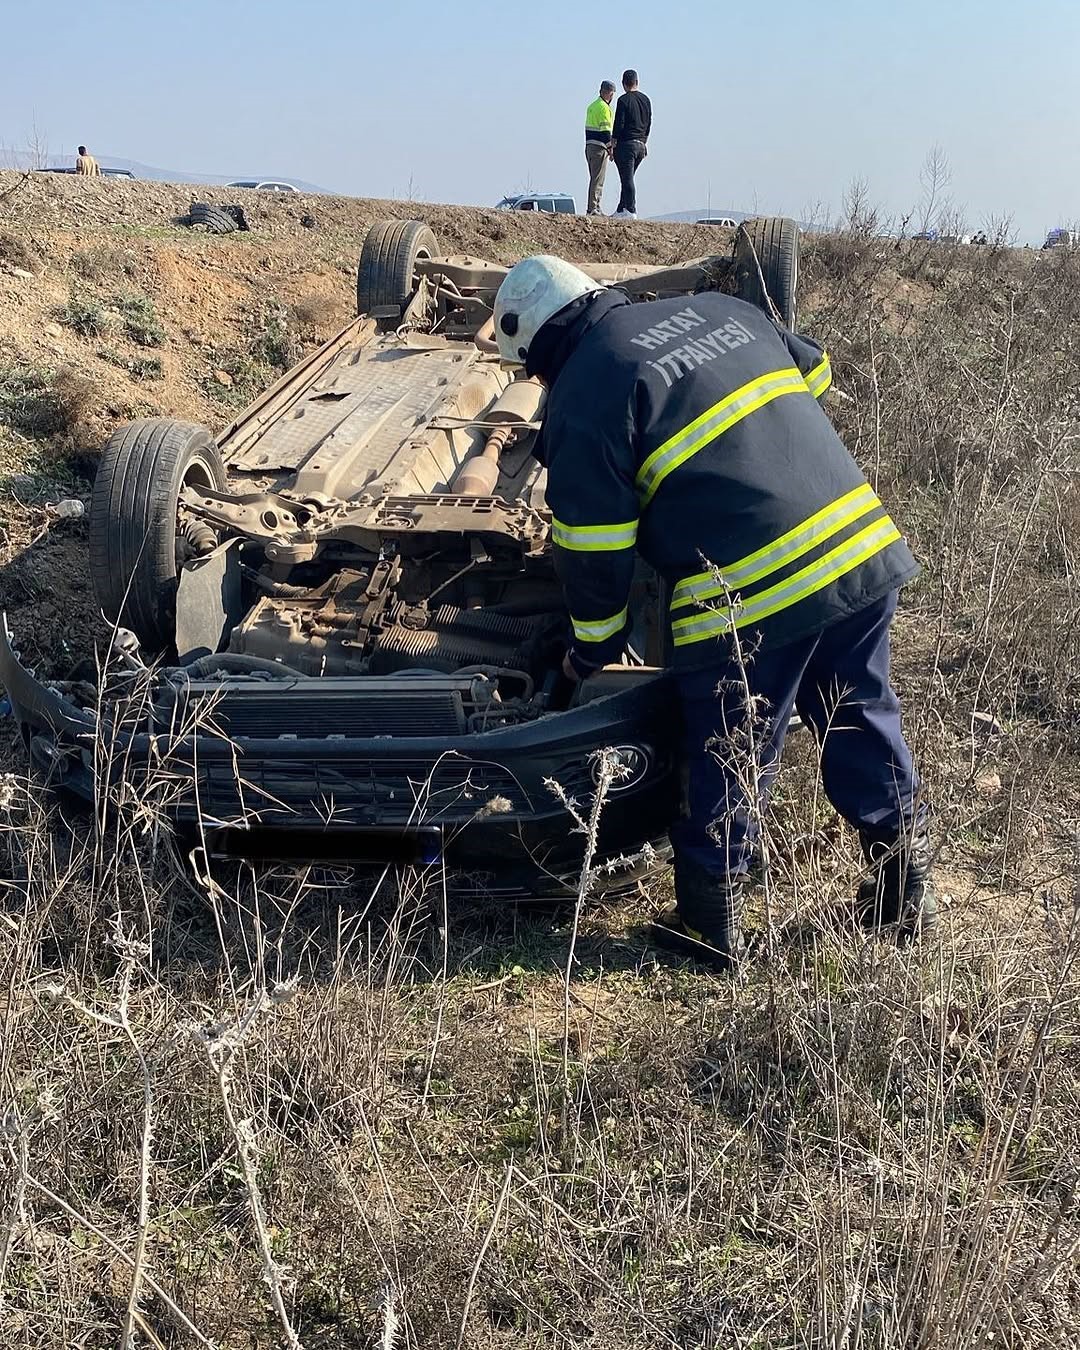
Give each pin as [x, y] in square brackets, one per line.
[385, 278]
[133, 555]
[767, 250]
[216, 219]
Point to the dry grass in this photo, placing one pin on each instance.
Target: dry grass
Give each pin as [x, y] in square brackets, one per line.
[42, 404]
[315, 315]
[16, 252]
[300, 1107]
[76, 398]
[84, 315]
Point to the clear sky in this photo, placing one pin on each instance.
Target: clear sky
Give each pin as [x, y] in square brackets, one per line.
[758, 106]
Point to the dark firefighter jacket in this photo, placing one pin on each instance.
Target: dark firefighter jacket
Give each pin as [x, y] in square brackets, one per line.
[690, 430]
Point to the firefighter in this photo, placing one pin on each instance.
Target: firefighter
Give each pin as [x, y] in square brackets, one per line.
[689, 430]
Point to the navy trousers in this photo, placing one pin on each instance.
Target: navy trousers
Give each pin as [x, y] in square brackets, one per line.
[838, 681]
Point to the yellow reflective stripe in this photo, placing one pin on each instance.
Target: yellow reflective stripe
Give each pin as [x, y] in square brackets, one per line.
[714, 422]
[835, 564]
[594, 538]
[798, 541]
[599, 629]
[820, 377]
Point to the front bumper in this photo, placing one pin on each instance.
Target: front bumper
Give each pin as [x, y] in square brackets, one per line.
[483, 804]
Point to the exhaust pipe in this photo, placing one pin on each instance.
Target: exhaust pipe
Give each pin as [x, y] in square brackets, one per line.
[480, 472]
[519, 404]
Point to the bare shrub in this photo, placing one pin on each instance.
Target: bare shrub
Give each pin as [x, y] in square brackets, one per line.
[102, 263]
[76, 398]
[274, 342]
[244, 377]
[18, 253]
[955, 373]
[84, 314]
[139, 319]
[315, 313]
[41, 404]
[26, 404]
[138, 367]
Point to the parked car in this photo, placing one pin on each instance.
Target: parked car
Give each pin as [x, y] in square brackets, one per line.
[1062, 238]
[263, 185]
[559, 202]
[105, 172]
[724, 222]
[343, 631]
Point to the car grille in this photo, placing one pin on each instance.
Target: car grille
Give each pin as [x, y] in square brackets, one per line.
[310, 709]
[576, 780]
[358, 789]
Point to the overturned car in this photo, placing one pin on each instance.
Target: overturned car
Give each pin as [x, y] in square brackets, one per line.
[338, 631]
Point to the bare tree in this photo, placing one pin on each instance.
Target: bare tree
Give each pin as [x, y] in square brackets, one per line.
[935, 177]
[37, 147]
[860, 216]
[33, 155]
[1001, 230]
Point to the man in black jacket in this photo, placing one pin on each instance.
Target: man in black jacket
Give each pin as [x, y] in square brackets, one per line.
[689, 430]
[630, 139]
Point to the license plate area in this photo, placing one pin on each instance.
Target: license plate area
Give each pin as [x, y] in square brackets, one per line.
[359, 844]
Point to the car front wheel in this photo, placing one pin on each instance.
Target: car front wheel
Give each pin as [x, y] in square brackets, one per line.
[136, 550]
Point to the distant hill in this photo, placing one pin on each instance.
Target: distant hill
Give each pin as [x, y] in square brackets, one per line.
[149, 171]
[688, 217]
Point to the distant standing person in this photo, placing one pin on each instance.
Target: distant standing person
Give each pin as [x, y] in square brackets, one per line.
[599, 119]
[86, 164]
[630, 138]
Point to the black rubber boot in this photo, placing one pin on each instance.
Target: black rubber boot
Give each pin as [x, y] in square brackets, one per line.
[706, 920]
[899, 889]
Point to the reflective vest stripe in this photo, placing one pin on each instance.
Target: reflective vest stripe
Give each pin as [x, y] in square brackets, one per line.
[599, 630]
[814, 530]
[835, 564]
[594, 538]
[714, 422]
[820, 377]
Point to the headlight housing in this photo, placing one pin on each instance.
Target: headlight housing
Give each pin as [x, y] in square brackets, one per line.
[632, 764]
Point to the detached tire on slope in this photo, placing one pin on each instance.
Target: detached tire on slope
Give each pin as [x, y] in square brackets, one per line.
[771, 242]
[216, 218]
[133, 554]
[385, 278]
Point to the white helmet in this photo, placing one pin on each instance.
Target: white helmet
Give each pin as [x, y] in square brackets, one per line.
[533, 291]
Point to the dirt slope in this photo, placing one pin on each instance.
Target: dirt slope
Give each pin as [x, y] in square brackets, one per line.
[70, 248]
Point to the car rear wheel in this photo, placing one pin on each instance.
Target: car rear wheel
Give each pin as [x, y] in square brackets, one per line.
[386, 277]
[767, 266]
[134, 554]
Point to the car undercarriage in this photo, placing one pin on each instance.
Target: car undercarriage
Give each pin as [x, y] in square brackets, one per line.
[338, 624]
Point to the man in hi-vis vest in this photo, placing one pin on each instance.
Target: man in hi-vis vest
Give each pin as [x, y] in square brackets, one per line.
[599, 119]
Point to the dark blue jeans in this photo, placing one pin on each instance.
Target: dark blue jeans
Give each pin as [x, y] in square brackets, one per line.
[628, 156]
[838, 681]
